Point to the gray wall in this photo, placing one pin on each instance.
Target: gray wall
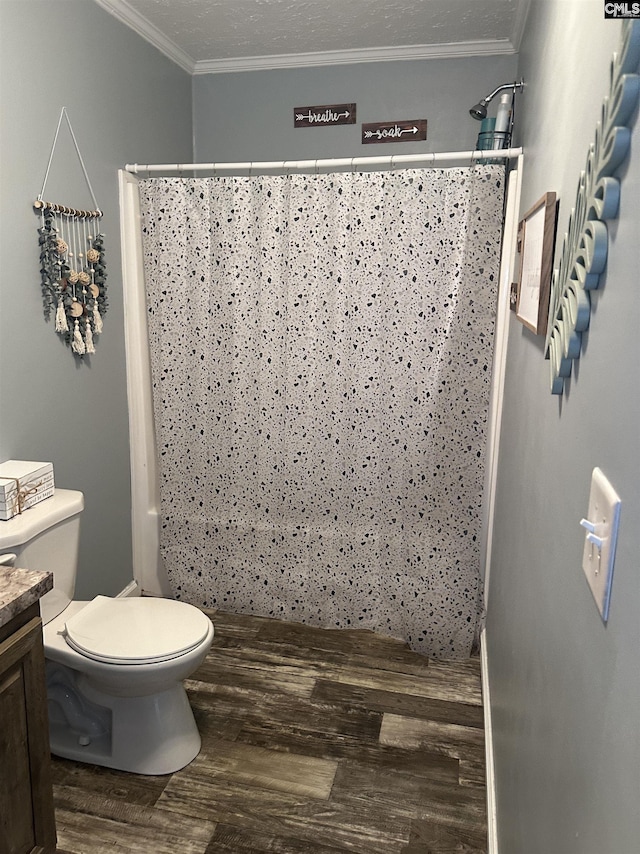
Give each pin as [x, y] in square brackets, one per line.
[126, 102]
[249, 115]
[565, 688]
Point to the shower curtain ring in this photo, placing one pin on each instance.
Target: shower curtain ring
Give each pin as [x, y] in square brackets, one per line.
[315, 167]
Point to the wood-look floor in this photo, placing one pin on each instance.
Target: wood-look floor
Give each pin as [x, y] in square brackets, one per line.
[312, 741]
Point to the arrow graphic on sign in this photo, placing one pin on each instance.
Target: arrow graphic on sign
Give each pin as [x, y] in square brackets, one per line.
[386, 133]
[318, 115]
[327, 116]
[412, 129]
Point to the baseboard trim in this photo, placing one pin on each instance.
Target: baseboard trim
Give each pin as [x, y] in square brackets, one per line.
[492, 824]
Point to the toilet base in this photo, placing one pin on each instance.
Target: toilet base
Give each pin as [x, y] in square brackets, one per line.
[155, 734]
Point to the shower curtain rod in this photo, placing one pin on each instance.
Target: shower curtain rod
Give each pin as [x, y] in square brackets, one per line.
[393, 160]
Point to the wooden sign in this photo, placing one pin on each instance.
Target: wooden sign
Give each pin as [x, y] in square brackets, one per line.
[409, 131]
[324, 115]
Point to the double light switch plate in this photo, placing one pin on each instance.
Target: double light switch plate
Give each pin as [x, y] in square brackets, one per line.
[601, 532]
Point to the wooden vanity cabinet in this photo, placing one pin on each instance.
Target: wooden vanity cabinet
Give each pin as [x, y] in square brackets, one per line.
[27, 823]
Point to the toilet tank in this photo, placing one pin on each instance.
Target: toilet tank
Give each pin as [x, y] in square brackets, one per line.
[46, 537]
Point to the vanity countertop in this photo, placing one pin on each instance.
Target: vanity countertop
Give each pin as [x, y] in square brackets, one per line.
[20, 588]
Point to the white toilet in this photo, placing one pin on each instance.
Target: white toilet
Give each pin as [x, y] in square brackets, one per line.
[114, 666]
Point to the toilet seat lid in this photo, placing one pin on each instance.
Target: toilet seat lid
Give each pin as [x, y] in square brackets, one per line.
[136, 630]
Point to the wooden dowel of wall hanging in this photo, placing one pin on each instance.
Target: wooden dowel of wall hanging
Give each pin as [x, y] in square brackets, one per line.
[63, 209]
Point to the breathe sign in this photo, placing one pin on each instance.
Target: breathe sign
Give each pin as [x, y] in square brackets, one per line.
[409, 131]
[324, 115]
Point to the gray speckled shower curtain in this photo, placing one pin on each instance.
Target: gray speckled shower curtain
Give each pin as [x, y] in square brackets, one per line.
[321, 356]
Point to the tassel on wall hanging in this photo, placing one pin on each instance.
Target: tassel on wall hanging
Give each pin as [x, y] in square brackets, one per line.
[72, 263]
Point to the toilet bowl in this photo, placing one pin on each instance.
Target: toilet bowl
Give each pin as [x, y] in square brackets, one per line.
[114, 666]
[114, 682]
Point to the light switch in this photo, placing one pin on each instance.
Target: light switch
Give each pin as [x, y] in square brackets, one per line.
[601, 533]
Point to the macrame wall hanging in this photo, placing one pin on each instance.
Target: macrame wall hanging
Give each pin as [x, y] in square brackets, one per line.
[72, 263]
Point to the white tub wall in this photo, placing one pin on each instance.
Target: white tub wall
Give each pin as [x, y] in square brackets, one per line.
[145, 494]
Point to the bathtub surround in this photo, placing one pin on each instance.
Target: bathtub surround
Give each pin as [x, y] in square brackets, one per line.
[321, 356]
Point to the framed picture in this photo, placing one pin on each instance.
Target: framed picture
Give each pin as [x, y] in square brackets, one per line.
[536, 239]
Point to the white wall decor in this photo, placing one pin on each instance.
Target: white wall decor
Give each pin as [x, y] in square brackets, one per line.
[585, 246]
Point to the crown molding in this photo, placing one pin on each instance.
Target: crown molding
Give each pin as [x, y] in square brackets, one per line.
[121, 10]
[349, 57]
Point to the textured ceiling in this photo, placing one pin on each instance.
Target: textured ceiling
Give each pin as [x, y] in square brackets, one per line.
[207, 35]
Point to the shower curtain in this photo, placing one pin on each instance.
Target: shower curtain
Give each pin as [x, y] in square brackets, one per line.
[321, 352]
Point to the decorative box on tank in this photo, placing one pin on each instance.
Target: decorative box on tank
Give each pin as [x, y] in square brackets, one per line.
[23, 483]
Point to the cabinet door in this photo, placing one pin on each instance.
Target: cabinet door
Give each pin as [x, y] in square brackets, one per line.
[26, 800]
